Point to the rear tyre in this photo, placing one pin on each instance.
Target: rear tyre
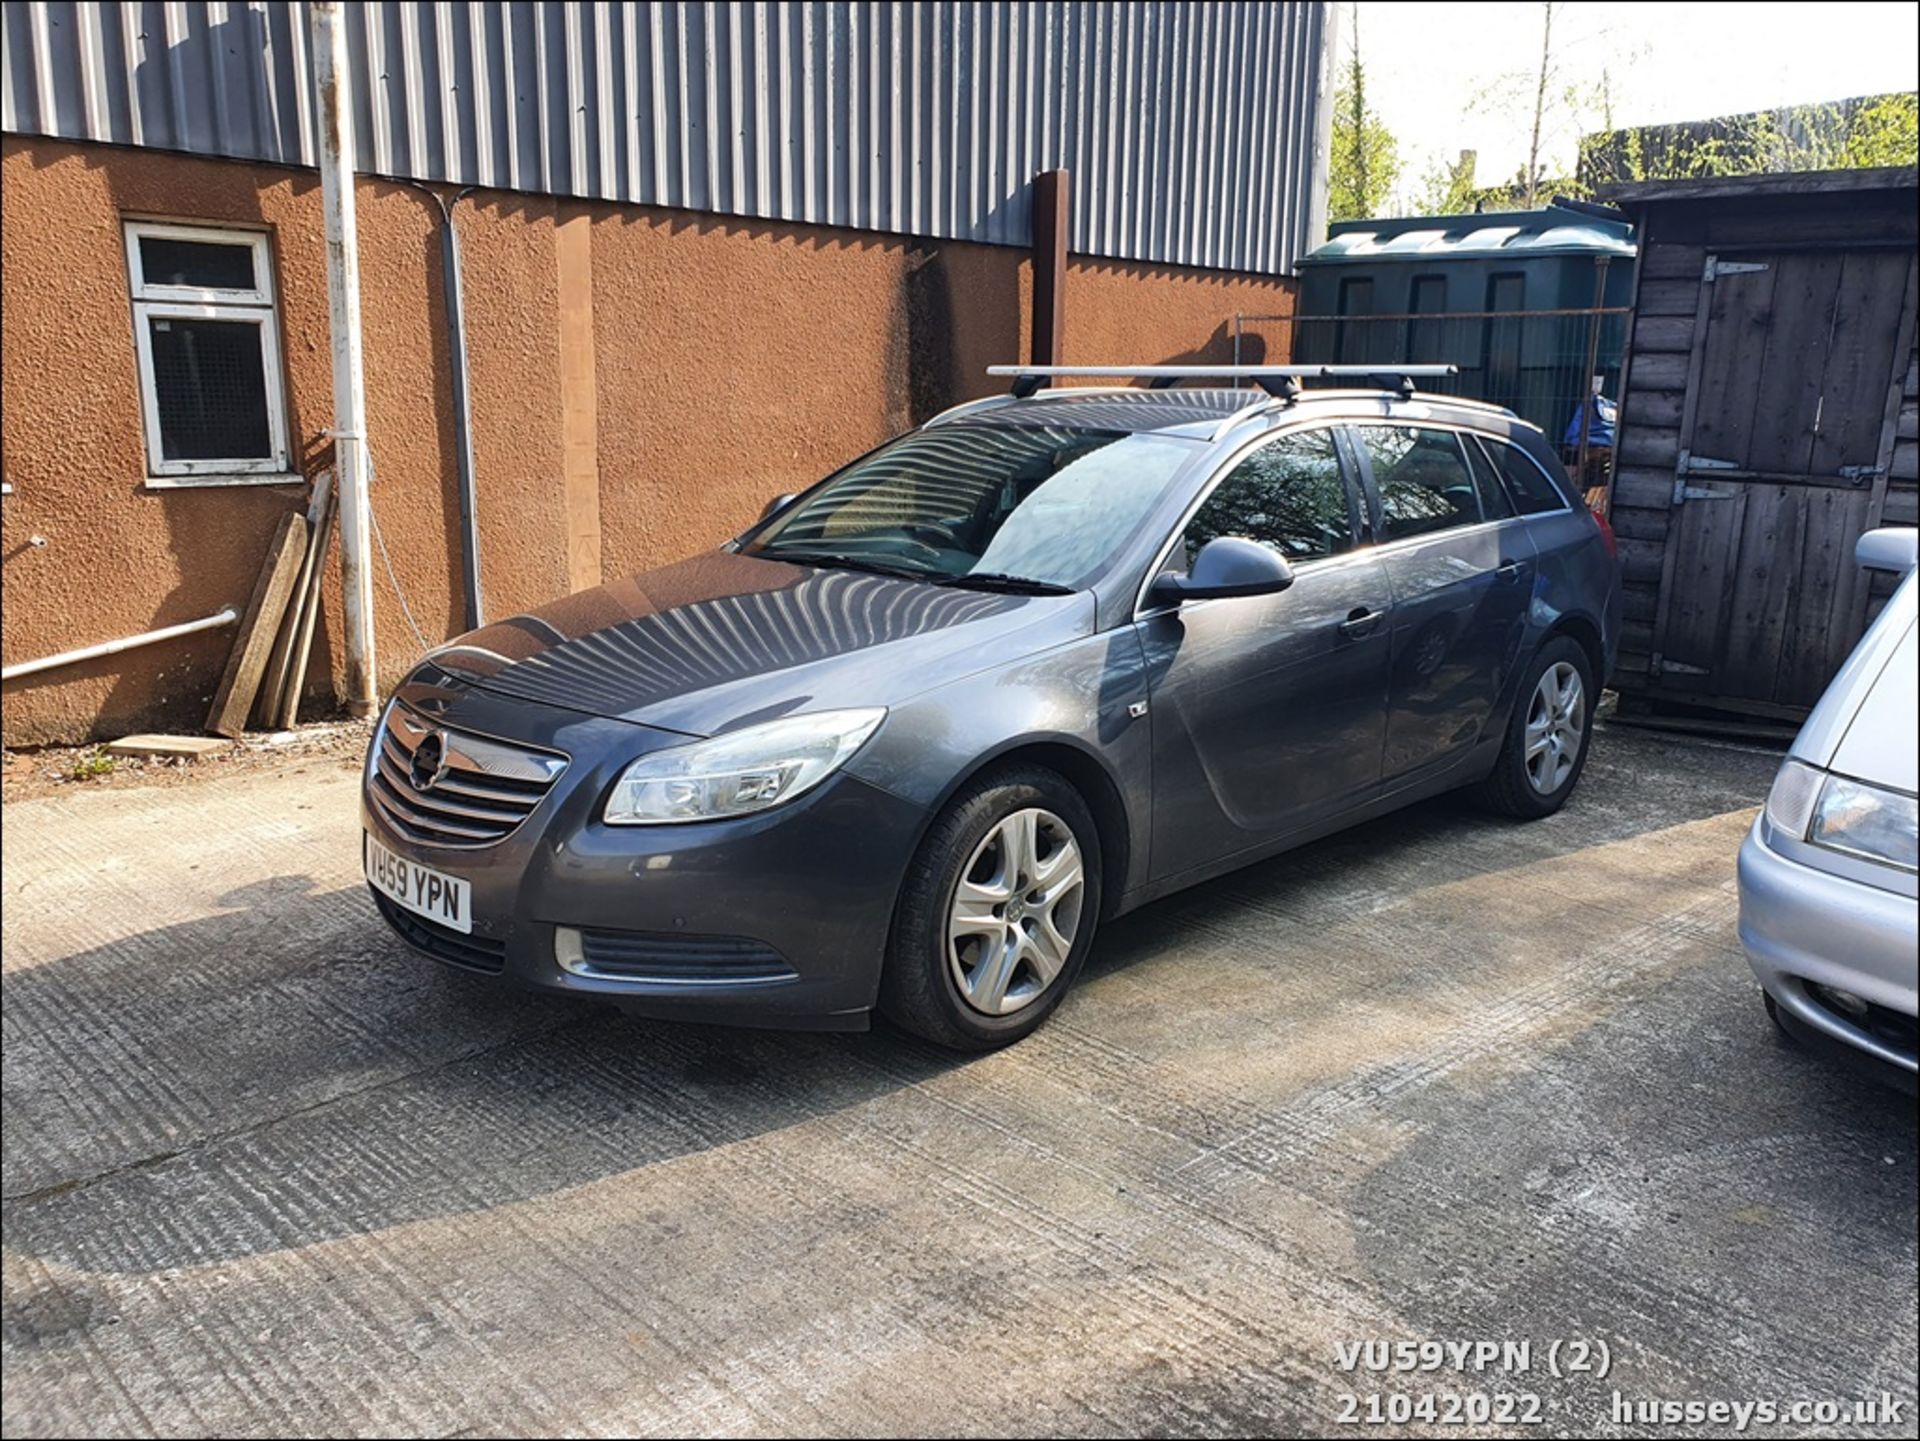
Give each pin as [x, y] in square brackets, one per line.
[997, 912]
[1548, 735]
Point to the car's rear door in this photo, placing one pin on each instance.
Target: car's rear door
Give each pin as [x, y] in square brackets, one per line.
[1460, 567]
[1269, 711]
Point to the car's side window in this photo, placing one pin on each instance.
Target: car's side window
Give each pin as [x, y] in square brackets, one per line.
[1494, 500]
[1289, 495]
[1526, 482]
[1422, 479]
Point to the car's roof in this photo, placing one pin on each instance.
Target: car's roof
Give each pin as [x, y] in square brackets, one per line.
[1197, 413]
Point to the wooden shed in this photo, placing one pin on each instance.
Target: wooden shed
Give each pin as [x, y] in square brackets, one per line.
[1768, 418]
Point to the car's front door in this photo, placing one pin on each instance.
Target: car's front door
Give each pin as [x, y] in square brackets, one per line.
[1268, 712]
[1460, 567]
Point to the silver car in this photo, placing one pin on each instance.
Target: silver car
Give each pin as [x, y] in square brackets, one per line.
[1828, 909]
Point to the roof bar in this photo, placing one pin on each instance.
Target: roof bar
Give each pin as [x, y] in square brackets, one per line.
[1279, 380]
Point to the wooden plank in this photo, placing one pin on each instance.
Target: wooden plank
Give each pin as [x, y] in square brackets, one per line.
[579, 408]
[1700, 557]
[1761, 590]
[1907, 422]
[1670, 297]
[1647, 445]
[1661, 261]
[1654, 334]
[1786, 405]
[1737, 310]
[1830, 598]
[1656, 407]
[286, 711]
[274, 683]
[1859, 394]
[1902, 506]
[183, 748]
[1643, 488]
[1839, 226]
[254, 641]
[1640, 560]
[1637, 636]
[1905, 464]
[1631, 524]
[1637, 602]
[1655, 370]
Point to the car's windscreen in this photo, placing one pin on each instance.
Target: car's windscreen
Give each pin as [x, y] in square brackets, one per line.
[1040, 504]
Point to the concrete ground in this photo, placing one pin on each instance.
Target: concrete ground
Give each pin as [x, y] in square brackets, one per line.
[1442, 1078]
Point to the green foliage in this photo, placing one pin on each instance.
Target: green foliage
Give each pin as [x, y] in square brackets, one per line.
[1365, 158]
[1879, 130]
[90, 766]
[1446, 189]
[1885, 130]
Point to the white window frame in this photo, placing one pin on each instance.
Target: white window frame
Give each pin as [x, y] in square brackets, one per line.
[254, 306]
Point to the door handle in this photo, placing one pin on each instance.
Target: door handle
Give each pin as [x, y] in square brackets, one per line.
[1360, 621]
[1511, 569]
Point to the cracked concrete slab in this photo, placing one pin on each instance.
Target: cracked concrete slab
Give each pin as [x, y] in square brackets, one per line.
[1443, 1077]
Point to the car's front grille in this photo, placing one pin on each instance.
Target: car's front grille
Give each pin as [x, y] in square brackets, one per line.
[463, 791]
[471, 953]
[644, 956]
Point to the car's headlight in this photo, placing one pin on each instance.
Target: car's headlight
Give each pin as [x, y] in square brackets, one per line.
[1790, 802]
[739, 773]
[1867, 821]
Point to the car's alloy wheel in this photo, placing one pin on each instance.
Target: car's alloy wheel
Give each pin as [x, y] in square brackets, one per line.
[997, 911]
[1556, 727]
[1015, 912]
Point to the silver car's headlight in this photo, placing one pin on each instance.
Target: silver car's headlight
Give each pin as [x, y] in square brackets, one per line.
[1790, 803]
[739, 773]
[1867, 821]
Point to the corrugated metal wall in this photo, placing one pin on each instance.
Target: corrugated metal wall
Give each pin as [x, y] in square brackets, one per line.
[1192, 129]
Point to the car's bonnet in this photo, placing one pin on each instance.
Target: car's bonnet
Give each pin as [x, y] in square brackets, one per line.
[1867, 724]
[723, 640]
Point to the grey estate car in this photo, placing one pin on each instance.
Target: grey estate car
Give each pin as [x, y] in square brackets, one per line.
[907, 740]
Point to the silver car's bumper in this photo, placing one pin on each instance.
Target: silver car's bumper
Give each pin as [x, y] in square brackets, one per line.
[1801, 926]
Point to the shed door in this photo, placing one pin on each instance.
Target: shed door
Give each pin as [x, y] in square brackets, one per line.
[1782, 465]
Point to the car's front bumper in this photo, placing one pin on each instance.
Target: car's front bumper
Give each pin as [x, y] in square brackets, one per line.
[799, 898]
[1805, 928]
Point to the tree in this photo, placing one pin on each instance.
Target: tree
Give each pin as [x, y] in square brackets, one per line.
[1365, 158]
[1884, 131]
[1530, 177]
[1446, 189]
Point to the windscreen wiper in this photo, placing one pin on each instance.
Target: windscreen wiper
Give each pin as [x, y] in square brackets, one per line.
[831, 560]
[1001, 581]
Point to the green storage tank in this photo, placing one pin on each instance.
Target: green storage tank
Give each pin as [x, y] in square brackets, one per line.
[1509, 298]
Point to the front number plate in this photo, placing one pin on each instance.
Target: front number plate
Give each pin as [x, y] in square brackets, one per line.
[441, 898]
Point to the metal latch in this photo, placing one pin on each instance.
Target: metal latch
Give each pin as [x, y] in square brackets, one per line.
[1858, 474]
[1717, 267]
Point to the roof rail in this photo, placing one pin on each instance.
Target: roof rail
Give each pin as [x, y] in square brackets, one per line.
[1282, 381]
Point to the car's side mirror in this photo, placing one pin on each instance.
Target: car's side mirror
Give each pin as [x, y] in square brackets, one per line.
[776, 505]
[1226, 566]
[1892, 547]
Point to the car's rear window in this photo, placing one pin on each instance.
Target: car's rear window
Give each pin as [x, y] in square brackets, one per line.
[1528, 486]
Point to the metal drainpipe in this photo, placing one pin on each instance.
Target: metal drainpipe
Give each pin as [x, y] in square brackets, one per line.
[333, 90]
[462, 400]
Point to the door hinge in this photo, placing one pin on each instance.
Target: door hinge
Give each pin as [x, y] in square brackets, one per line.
[1690, 461]
[1682, 493]
[1717, 267]
[1661, 665]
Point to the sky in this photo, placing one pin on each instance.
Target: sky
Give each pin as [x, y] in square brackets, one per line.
[1452, 77]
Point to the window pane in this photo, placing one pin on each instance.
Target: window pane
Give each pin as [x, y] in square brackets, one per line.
[209, 380]
[1527, 484]
[1422, 478]
[1493, 495]
[1289, 496]
[199, 263]
[1044, 502]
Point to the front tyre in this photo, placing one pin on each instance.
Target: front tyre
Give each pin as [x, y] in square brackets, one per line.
[1548, 735]
[997, 912]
